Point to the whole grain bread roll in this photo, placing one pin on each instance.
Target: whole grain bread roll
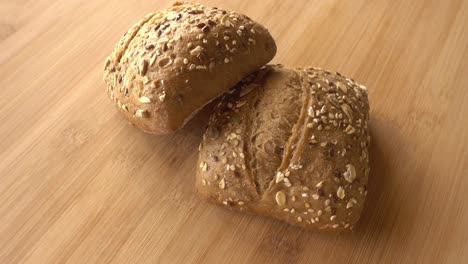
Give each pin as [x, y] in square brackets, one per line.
[292, 145]
[175, 61]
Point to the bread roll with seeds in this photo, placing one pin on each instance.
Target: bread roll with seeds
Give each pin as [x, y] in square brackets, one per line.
[292, 145]
[175, 61]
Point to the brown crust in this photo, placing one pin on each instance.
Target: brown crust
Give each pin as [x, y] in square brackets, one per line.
[173, 62]
[294, 148]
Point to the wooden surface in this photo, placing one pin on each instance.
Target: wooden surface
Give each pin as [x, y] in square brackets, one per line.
[79, 185]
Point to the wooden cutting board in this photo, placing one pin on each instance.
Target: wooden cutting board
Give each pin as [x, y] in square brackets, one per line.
[79, 185]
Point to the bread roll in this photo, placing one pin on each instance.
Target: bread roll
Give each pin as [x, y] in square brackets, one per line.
[175, 61]
[292, 145]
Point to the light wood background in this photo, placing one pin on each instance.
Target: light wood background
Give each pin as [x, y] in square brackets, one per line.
[79, 185]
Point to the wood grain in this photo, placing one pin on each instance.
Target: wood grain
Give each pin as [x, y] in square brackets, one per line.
[79, 185]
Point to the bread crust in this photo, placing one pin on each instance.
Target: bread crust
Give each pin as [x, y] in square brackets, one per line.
[291, 144]
[173, 62]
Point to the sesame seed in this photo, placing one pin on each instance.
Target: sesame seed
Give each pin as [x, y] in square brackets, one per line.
[240, 203]
[280, 198]
[279, 177]
[197, 51]
[340, 192]
[141, 113]
[319, 212]
[186, 61]
[144, 100]
[323, 109]
[225, 21]
[125, 108]
[319, 184]
[204, 166]
[162, 96]
[310, 111]
[315, 196]
[327, 202]
[342, 87]
[307, 205]
[293, 198]
[231, 136]
[203, 182]
[350, 173]
[349, 130]
[226, 60]
[222, 184]
[351, 203]
[332, 218]
[310, 125]
[335, 225]
[299, 219]
[347, 110]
